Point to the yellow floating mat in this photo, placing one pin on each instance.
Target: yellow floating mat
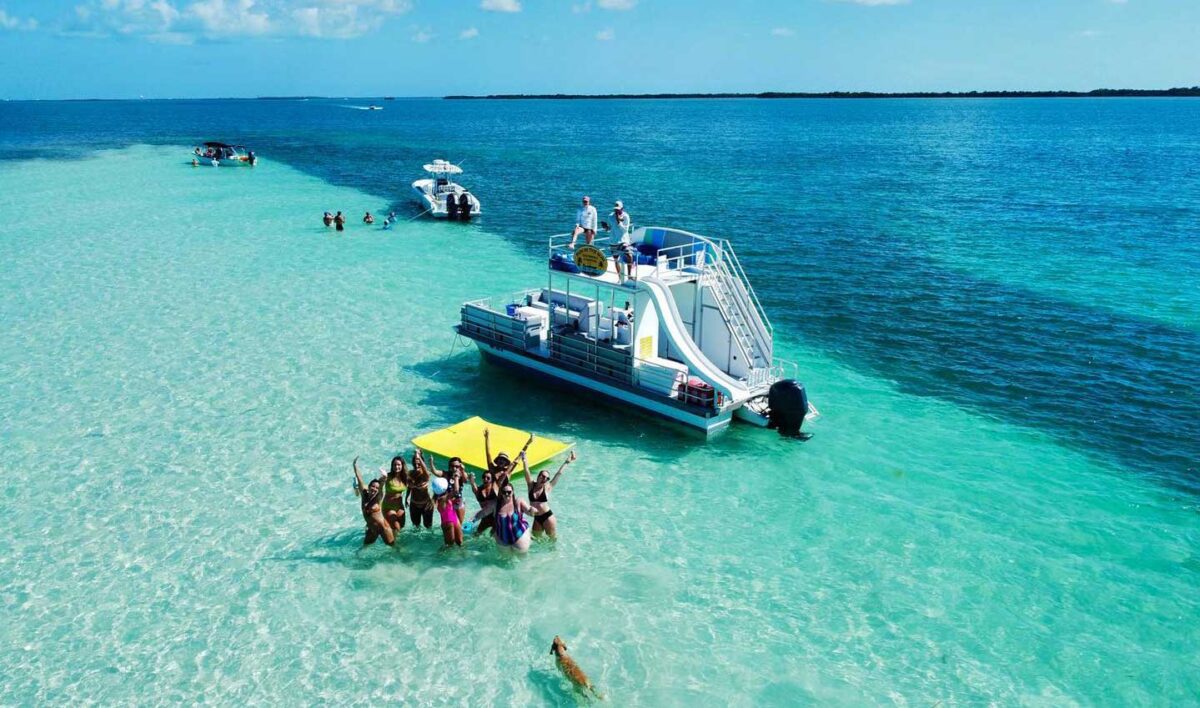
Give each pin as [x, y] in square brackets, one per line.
[465, 440]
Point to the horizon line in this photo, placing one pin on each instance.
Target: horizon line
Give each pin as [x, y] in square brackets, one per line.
[1179, 91]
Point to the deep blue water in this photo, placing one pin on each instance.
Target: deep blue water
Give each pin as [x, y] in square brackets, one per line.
[1033, 260]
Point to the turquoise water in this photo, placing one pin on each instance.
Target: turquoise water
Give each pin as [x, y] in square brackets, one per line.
[188, 362]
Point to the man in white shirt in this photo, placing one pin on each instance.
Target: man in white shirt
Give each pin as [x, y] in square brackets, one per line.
[585, 222]
[623, 252]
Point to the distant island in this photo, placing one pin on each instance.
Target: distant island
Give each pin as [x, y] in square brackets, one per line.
[1194, 91]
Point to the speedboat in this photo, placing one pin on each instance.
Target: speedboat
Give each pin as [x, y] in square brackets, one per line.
[684, 339]
[374, 108]
[218, 154]
[441, 197]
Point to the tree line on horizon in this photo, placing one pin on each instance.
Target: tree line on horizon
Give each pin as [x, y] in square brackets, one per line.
[1193, 91]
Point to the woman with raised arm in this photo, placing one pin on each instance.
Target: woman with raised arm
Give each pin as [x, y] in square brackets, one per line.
[456, 476]
[511, 527]
[371, 498]
[394, 487]
[502, 465]
[452, 533]
[420, 503]
[539, 497]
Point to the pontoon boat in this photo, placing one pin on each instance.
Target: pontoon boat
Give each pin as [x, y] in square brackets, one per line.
[687, 339]
[442, 198]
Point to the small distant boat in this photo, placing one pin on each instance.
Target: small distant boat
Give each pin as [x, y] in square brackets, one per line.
[218, 154]
[374, 108]
[443, 198]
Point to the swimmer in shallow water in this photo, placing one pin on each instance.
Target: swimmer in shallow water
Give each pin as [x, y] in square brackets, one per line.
[539, 497]
[368, 219]
[394, 486]
[511, 528]
[327, 219]
[420, 502]
[452, 533]
[370, 499]
[501, 466]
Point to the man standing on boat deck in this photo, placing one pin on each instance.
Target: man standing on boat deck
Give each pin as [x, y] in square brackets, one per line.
[585, 221]
[623, 252]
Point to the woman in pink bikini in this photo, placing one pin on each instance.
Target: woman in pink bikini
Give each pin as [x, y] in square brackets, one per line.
[452, 533]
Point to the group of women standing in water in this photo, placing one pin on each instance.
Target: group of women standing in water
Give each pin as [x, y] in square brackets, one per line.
[412, 493]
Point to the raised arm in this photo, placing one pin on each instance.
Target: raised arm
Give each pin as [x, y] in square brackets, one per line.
[358, 489]
[563, 466]
[512, 465]
[487, 448]
[525, 465]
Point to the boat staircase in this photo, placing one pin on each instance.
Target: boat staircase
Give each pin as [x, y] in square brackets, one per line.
[740, 308]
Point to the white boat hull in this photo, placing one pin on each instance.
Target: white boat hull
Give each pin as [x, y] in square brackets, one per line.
[435, 204]
[708, 425]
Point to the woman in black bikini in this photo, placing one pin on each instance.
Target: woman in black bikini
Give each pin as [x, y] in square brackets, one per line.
[539, 497]
[371, 500]
[420, 502]
[486, 496]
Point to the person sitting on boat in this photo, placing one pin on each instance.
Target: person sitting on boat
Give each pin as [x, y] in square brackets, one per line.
[585, 223]
[623, 252]
[371, 499]
[368, 219]
[539, 497]
[327, 219]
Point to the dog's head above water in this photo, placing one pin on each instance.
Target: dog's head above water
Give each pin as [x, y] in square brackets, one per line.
[558, 647]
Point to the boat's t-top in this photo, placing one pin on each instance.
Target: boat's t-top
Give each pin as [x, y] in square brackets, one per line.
[442, 197]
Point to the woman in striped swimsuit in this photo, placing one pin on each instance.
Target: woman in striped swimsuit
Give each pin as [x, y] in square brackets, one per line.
[511, 527]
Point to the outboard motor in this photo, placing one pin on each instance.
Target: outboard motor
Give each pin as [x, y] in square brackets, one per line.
[451, 207]
[464, 207]
[788, 404]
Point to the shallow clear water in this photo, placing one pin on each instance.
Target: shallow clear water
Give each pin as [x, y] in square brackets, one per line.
[188, 361]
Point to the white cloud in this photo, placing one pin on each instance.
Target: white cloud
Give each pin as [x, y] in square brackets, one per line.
[468, 33]
[12, 22]
[581, 7]
[782, 32]
[501, 5]
[606, 35]
[616, 4]
[875, 3]
[421, 35]
[181, 21]
[1090, 33]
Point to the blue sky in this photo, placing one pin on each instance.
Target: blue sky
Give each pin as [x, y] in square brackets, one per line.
[196, 48]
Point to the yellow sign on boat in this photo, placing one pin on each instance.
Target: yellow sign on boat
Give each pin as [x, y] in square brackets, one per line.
[591, 260]
[465, 440]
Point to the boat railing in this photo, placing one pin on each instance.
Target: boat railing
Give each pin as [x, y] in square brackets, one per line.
[736, 266]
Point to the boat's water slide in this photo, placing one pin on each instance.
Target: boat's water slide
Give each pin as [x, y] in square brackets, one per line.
[683, 346]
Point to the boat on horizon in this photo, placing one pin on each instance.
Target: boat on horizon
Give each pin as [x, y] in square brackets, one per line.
[441, 197]
[687, 340]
